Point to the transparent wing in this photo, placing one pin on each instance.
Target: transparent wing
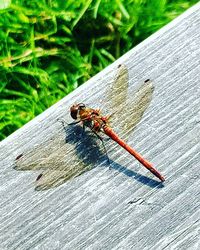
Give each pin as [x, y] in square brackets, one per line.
[34, 159]
[60, 167]
[63, 161]
[117, 93]
[66, 155]
[127, 109]
[136, 107]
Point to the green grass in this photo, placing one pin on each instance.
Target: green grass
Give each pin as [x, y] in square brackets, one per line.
[48, 48]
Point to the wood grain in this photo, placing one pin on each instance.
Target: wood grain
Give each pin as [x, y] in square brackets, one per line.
[124, 207]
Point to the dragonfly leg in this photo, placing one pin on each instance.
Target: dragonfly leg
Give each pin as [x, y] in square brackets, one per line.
[104, 147]
[61, 121]
[73, 123]
[76, 122]
[64, 123]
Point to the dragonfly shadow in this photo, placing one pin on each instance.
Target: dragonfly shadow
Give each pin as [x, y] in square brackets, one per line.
[89, 150]
[136, 176]
[87, 145]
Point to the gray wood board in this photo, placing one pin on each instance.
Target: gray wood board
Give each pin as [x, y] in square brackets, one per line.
[123, 207]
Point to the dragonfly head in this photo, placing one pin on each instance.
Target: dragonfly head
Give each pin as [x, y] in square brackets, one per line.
[75, 109]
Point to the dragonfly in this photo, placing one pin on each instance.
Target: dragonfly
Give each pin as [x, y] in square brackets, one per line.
[93, 119]
[62, 159]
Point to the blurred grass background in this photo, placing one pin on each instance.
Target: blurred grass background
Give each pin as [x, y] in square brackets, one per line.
[49, 47]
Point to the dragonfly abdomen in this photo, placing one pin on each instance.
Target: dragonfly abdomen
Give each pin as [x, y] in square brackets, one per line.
[108, 131]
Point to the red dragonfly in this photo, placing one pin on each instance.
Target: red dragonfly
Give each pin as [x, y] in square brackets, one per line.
[56, 157]
[93, 119]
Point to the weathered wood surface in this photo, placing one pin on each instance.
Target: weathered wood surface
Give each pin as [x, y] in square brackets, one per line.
[118, 208]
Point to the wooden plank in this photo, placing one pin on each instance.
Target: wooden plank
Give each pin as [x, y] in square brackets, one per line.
[124, 207]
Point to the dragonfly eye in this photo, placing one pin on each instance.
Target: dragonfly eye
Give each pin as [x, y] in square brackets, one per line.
[74, 111]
